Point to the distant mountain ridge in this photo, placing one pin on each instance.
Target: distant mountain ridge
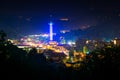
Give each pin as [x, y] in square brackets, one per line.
[106, 30]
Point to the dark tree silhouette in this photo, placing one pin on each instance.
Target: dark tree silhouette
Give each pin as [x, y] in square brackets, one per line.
[2, 35]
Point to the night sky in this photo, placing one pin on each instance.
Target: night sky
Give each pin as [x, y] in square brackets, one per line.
[22, 17]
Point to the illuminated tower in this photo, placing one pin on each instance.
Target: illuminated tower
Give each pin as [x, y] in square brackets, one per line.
[51, 29]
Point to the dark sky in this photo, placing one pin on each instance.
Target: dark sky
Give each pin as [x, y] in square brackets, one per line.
[32, 16]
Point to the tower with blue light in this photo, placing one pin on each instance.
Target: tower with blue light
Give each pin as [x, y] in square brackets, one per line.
[51, 29]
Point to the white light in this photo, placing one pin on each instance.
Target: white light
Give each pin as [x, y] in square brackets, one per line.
[45, 35]
[70, 43]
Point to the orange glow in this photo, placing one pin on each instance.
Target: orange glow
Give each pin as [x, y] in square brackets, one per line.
[114, 42]
[64, 19]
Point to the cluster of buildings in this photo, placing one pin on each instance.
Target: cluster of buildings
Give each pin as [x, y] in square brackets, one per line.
[77, 49]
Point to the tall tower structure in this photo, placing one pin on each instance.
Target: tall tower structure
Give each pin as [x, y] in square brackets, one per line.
[51, 28]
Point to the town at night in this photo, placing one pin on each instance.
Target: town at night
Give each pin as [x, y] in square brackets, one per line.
[60, 40]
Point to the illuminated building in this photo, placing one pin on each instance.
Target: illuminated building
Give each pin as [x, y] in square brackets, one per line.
[85, 49]
[116, 42]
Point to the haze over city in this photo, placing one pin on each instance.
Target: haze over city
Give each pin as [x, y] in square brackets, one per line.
[23, 17]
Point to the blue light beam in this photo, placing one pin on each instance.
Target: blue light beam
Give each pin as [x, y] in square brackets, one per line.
[51, 31]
